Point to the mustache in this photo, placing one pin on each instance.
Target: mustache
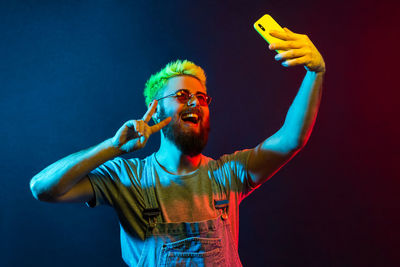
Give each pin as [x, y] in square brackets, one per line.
[194, 110]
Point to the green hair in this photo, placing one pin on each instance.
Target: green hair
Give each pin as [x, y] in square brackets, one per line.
[157, 81]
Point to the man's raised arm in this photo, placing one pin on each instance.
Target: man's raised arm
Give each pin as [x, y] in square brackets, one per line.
[66, 180]
[268, 157]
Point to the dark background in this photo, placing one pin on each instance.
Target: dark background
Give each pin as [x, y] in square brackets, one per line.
[72, 72]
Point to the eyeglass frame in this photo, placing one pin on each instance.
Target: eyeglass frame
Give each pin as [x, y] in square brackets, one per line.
[207, 97]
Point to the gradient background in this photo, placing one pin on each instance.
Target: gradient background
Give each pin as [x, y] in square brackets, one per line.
[72, 72]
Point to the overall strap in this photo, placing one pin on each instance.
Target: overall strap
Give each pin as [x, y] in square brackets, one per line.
[220, 195]
[152, 211]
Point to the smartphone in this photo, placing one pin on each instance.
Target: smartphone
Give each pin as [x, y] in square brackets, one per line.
[264, 25]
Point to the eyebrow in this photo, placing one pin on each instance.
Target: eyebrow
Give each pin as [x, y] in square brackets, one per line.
[187, 90]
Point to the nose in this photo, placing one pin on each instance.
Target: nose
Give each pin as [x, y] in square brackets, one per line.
[193, 101]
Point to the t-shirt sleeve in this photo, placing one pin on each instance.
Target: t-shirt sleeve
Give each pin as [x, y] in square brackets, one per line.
[231, 171]
[117, 183]
[110, 180]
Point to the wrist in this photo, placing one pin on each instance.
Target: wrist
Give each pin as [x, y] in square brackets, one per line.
[112, 149]
[316, 73]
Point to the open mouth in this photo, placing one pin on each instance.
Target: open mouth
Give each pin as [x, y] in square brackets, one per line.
[190, 117]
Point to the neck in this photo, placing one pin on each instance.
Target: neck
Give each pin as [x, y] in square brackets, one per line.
[174, 161]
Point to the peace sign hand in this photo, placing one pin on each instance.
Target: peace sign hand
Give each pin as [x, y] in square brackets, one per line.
[299, 50]
[133, 135]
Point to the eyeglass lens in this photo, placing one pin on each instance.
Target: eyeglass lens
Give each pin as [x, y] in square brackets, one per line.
[184, 97]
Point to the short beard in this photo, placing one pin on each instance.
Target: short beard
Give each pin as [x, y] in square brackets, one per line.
[189, 143]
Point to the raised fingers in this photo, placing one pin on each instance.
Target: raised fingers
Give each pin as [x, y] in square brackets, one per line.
[155, 128]
[150, 111]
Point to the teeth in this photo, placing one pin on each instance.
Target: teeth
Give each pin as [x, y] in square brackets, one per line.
[190, 115]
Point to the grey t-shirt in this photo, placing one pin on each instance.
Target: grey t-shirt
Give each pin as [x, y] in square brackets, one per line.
[182, 198]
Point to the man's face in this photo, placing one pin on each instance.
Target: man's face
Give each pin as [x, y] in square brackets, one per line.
[190, 122]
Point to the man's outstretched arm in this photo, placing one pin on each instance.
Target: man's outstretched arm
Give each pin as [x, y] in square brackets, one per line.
[66, 180]
[269, 156]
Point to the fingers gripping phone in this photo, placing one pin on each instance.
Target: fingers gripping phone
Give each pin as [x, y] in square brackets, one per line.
[264, 25]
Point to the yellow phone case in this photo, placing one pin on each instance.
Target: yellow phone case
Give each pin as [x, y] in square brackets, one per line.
[266, 24]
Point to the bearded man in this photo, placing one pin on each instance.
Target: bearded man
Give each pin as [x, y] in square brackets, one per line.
[177, 206]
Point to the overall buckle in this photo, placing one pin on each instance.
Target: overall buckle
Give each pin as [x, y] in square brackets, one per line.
[223, 206]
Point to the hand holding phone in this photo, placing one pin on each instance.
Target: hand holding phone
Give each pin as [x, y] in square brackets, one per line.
[293, 49]
[264, 25]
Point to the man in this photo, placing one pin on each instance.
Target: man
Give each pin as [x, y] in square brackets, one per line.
[177, 206]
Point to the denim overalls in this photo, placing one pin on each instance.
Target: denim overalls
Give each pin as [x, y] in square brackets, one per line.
[204, 243]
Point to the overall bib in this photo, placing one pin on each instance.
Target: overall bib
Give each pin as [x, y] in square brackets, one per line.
[204, 243]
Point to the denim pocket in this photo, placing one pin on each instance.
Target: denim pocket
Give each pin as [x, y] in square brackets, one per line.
[193, 251]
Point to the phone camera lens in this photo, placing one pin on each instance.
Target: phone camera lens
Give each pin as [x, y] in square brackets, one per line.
[262, 28]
